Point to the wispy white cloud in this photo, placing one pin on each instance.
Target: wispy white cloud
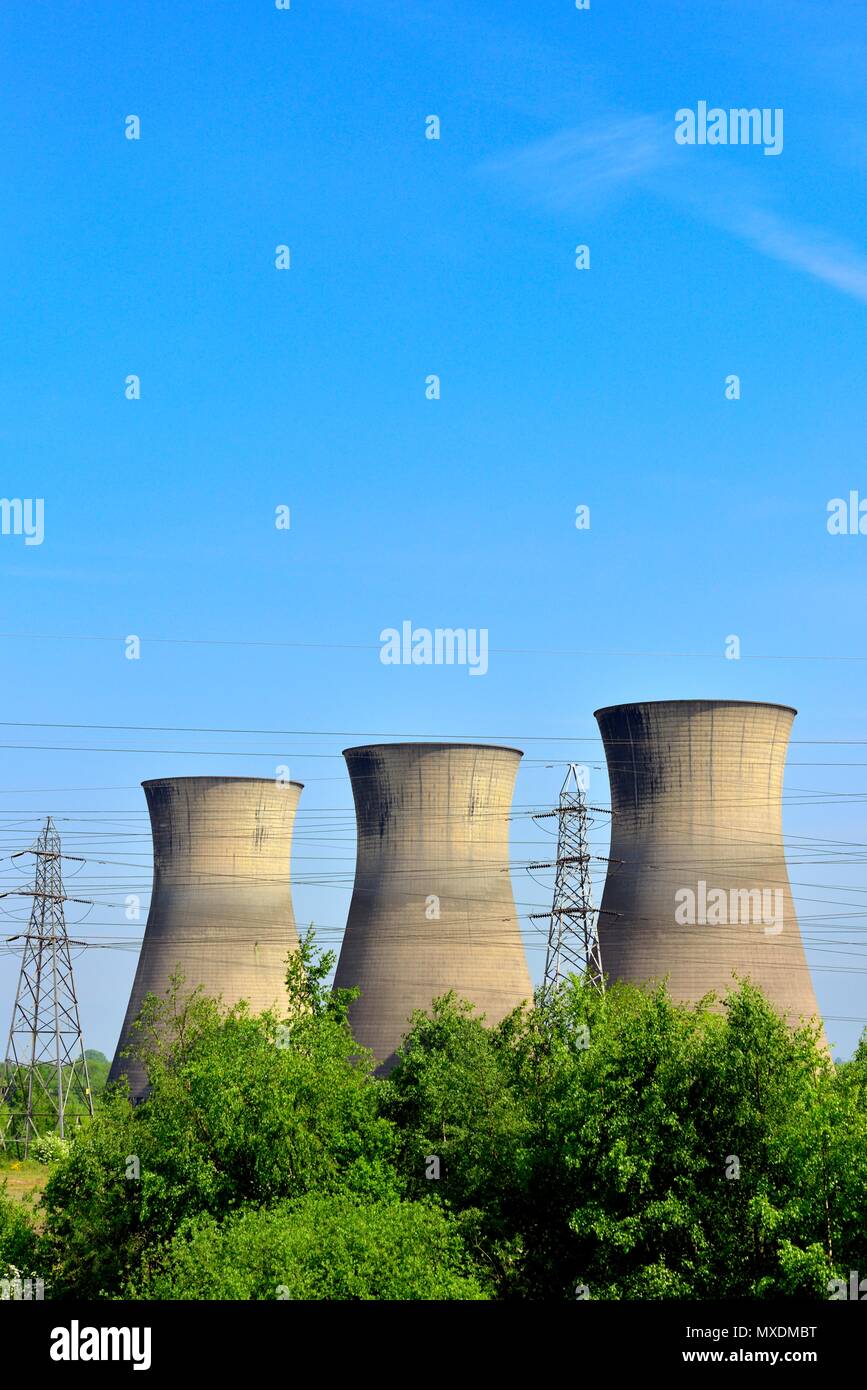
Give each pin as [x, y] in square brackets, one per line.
[816, 252]
[587, 165]
[583, 169]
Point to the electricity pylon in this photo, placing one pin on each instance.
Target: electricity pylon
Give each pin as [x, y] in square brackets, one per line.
[45, 1064]
[573, 939]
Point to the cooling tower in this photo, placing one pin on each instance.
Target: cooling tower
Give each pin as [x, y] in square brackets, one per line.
[702, 891]
[221, 905]
[432, 907]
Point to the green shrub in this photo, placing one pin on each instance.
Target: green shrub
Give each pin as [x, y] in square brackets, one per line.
[334, 1247]
[49, 1148]
[621, 1143]
[19, 1241]
[241, 1111]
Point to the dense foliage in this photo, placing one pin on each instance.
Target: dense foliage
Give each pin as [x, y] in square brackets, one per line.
[19, 1243]
[615, 1146]
[241, 1111]
[627, 1147]
[334, 1247]
[14, 1083]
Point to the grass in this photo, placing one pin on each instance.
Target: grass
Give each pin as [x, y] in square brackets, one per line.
[22, 1180]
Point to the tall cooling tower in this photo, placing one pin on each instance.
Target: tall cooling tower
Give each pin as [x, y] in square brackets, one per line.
[702, 891]
[221, 905]
[432, 907]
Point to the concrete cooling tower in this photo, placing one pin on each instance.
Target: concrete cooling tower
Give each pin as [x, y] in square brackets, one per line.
[432, 907]
[702, 891]
[221, 905]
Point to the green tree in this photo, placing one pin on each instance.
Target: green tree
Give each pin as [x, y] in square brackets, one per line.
[621, 1146]
[629, 1147]
[466, 1138]
[334, 1247]
[98, 1067]
[19, 1240]
[239, 1110]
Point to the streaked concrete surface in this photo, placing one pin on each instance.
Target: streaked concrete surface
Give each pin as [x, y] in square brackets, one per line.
[432, 907]
[221, 906]
[696, 791]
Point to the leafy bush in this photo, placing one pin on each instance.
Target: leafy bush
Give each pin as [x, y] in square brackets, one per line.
[333, 1247]
[638, 1147]
[19, 1241]
[241, 1110]
[618, 1143]
[49, 1148]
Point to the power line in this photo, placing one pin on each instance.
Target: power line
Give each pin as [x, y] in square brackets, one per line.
[45, 1066]
[352, 733]
[377, 647]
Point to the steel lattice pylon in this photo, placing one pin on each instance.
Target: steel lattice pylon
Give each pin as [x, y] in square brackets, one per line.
[45, 1064]
[573, 940]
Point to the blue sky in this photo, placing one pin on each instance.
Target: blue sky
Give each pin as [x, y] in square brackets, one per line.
[307, 387]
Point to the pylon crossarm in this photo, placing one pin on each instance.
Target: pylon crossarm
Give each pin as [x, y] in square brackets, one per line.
[573, 943]
[45, 1049]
